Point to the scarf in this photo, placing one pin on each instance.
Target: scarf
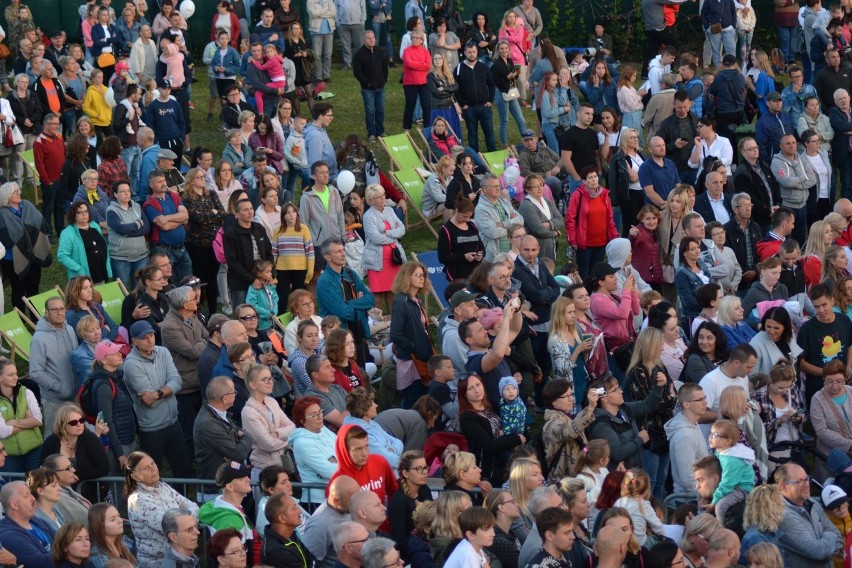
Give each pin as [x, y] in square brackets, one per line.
[92, 196]
[24, 234]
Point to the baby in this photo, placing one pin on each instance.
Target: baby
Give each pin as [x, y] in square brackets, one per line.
[578, 64]
[736, 460]
[513, 411]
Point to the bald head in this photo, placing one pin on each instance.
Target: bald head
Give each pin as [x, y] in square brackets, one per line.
[233, 332]
[724, 548]
[611, 543]
[715, 183]
[657, 146]
[530, 249]
[341, 491]
[843, 206]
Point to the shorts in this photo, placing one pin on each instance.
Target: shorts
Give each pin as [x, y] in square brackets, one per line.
[214, 90]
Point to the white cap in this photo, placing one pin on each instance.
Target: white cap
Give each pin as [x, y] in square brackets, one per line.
[832, 496]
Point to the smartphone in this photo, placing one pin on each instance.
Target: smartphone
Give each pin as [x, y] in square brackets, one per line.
[101, 416]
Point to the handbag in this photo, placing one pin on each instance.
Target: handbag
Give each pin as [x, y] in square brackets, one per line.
[512, 94]
[396, 255]
[288, 462]
[106, 60]
[622, 354]
[716, 28]
[4, 51]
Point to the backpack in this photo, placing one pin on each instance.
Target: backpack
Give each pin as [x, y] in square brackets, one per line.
[547, 466]
[87, 397]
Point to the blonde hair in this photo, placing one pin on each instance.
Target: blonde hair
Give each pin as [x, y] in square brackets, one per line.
[767, 554]
[815, 246]
[456, 464]
[622, 144]
[521, 470]
[558, 327]
[648, 347]
[681, 190]
[636, 484]
[764, 509]
[731, 402]
[726, 308]
[448, 507]
[443, 72]
[703, 524]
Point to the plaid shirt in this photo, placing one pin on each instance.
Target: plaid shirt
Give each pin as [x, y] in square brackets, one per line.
[109, 172]
[767, 410]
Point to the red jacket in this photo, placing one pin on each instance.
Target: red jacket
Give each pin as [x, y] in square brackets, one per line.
[235, 29]
[416, 62]
[577, 221]
[767, 247]
[646, 255]
[49, 156]
[343, 380]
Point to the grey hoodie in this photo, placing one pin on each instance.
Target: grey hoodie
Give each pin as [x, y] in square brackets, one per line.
[50, 360]
[795, 177]
[689, 446]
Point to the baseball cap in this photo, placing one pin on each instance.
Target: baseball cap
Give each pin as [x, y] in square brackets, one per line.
[773, 96]
[164, 83]
[55, 33]
[215, 323]
[122, 65]
[527, 134]
[140, 329]
[833, 496]
[166, 154]
[601, 270]
[461, 297]
[191, 281]
[229, 471]
[104, 348]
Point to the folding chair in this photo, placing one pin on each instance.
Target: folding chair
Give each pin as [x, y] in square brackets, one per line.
[404, 154]
[16, 334]
[112, 296]
[412, 186]
[36, 303]
[426, 134]
[283, 320]
[28, 158]
[435, 272]
[496, 161]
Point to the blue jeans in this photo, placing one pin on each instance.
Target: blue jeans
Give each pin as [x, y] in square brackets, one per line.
[503, 110]
[132, 158]
[616, 372]
[657, 468]
[726, 40]
[588, 257]
[179, 257]
[785, 38]
[52, 205]
[126, 270]
[617, 217]
[238, 297]
[800, 229]
[632, 119]
[288, 182]
[374, 110]
[474, 116]
[549, 131]
[23, 463]
[380, 29]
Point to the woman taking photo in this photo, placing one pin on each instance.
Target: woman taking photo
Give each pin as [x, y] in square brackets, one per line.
[566, 347]
[45, 489]
[541, 216]
[382, 246]
[460, 247]
[146, 302]
[614, 313]
[505, 72]
[313, 448]
[630, 100]
[416, 62]
[731, 316]
[409, 332]
[775, 342]
[79, 303]
[563, 430]
[82, 247]
[20, 422]
[265, 138]
[506, 546]
[128, 227]
[443, 88]
[413, 475]
[518, 39]
[107, 536]
[623, 180]
[112, 398]
[589, 223]
[293, 251]
[782, 408]
[205, 219]
[707, 350]
[691, 275]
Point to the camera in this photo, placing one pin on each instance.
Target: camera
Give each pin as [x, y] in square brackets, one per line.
[515, 303]
[600, 391]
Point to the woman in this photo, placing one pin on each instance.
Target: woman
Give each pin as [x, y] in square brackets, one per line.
[707, 350]
[296, 50]
[264, 421]
[73, 440]
[630, 100]
[609, 138]
[227, 550]
[696, 539]
[782, 408]
[623, 179]
[519, 40]
[383, 252]
[413, 475]
[107, 536]
[505, 71]
[71, 175]
[596, 362]
[482, 428]
[731, 320]
[708, 143]
[636, 557]
[206, 215]
[820, 237]
[550, 108]
[589, 222]
[82, 247]
[88, 330]
[766, 288]
[28, 113]
[764, 510]
[461, 475]
[464, 183]
[691, 275]
[111, 397]
[550, 59]
[79, 302]
[819, 201]
[71, 547]
[445, 42]
[340, 350]
[409, 332]
[613, 313]
[146, 302]
[265, 138]
[24, 236]
[843, 296]
[87, 129]
[147, 499]
[285, 16]
[663, 317]
[20, 422]
[226, 21]
[362, 408]
[565, 345]
[45, 489]
[128, 226]
[445, 528]
[541, 216]
[600, 88]
[74, 91]
[566, 94]
[435, 186]
[734, 405]
[645, 371]
[313, 447]
[670, 229]
[97, 199]
[106, 42]
[237, 152]
[765, 82]
[563, 431]
[834, 266]
[813, 119]
[443, 89]
[506, 546]
[460, 247]
[274, 479]
[416, 63]
[303, 307]
[708, 297]
[829, 407]
[226, 183]
[162, 20]
[665, 555]
[268, 213]
[480, 33]
[524, 477]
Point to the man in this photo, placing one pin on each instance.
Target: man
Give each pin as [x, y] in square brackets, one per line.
[463, 306]
[49, 154]
[793, 96]
[217, 437]
[841, 121]
[318, 146]
[212, 351]
[708, 475]
[56, 49]
[25, 51]
[843, 207]
[147, 162]
[475, 93]
[233, 332]
[281, 544]
[162, 262]
[168, 216]
[144, 68]
[539, 159]
[659, 175]
[691, 84]
[367, 510]
[226, 511]
[153, 380]
[72, 506]
[693, 226]
[773, 125]
[743, 235]
[754, 177]
[245, 243]
[494, 216]
[835, 75]
[733, 372]
[808, 538]
[486, 360]
[322, 209]
[26, 539]
[541, 498]
[723, 549]
[234, 105]
[683, 433]
[796, 177]
[50, 360]
[268, 32]
[166, 164]
[579, 146]
[713, 204]
[351, 16]
[331, 395]
[258, 80]
[125, 124]
[349, 539]
[556, 527]
[165, 117]
[728, 91]
[323, 524]
[678, 131]
[660, 105]
[611, 547]
[792, 273]
[371, 472]
[181, 530]
[250, 178]
[657, 33]
[370, 67]
[342, 293]
[659, 66]
[813, 335]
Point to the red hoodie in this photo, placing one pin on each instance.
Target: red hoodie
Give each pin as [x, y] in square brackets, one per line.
[376, 475]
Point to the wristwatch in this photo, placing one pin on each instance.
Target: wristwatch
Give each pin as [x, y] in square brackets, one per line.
[160, 394]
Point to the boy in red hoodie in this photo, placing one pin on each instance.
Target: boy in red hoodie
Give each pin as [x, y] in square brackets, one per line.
[371, 471]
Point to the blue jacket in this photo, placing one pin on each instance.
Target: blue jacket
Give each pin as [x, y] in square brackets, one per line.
[718, 12]
[695, 89]
[740, 333]
[81, 362]
[840, 143]
[332, 302]
[98, 209]
[147, 164]
[770, 129]
[166, 120]
[100, 41]
[702, 206]
[686, 283]
[794, 103]
[231, 61]
[28, 550]
[319, 147]
[110, 332]
[72, 252]
[601, 96]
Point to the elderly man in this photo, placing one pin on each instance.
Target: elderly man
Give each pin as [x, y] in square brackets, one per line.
[723, 550]
[49, 154]
[659, 175]
[494, 215]
[796, 177]
[26, 539]
[660, 105]
[147, 162]
[218, 438]
[233, 332]
[678, 131]
[742, 237]
[773, 125]
[50, 360]
[367, 510]
[713, 204]
[841, 121]
[535, 158]
[168, 217]
[153, 380]
[320, 529]
[808, 538]
[72, 506]
[181, 530]
[348, 541]
[282, 546]
[166, 164]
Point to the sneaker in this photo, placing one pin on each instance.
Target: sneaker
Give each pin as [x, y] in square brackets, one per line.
[372, 139]
[525, 104]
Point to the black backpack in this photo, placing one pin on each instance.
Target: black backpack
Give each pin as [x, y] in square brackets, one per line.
[87, 396]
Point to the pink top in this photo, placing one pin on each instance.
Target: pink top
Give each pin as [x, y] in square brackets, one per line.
[518, 42]
[613, 314]
[87, 33]
[416, 62]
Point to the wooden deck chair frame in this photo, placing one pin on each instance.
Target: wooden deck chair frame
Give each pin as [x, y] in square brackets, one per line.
[432, 291]
[121, 287]
[41, 299]
[397, 177]
[15, 347]
[28, 159]
[396, 164]
[279, 320]
[433, 158]
[489, 163]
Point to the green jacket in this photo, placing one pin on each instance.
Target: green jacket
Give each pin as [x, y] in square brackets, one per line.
[27, 439]
[72, 252]
[220, 514]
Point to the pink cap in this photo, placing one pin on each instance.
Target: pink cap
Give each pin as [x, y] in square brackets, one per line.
[104, 348]
[122, 65]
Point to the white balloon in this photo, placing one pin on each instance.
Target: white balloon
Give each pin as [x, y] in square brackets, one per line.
[345, 182]
[109, 97]
[187, 9]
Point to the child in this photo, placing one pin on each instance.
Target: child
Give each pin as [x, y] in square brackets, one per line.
[173, 59]
[353, 244]
[262, 295]
[293, 251]
[442, 373]
[578, 64]
[736, 461]
[556, 527]
[513, 411]
[273, 64]
[635, 495]
[477, 526]
[294, 150]
[591, 467]
[836, 505]
[119, 81]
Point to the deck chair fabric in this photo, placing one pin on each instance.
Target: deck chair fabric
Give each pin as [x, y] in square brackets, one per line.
[112, 296]
[404, 153]
[412, 186]
[16, 334]
[496, 161]
[36, 303]
[435, 272]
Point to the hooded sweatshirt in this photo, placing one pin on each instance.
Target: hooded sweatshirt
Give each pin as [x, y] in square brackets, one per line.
[219, 514]
[656, 69]
[691, 447]
[316, 464]
[737, 471]
[376, 475]
[617, 253]
[50, 360]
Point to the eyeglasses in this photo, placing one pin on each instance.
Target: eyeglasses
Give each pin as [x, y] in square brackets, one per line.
[78, 422]
[715, 435]
[314, 415]
[566, 395]
[702, 399]
[229, 394]
[248, 318]
[91, 179]
[266, 380]
[55, 310]
[615, 390]
[397, 562]
[507, 501]
[238, 552]
[245, 358]
[803, 481]
[835, 383]
[69, 468]
[419, 469]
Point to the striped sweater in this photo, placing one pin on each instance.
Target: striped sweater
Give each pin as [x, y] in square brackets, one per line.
[294, 250]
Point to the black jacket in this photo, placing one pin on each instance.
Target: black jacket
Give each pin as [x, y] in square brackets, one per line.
[407, 332]
[618, 178]
[30, 107]
[703, 208]
[541, 292]
[746, 180]
[828, 80]
[499, 70]
[476, 84]
[41, 94]
[490, 451]
[284, 552]
[669, 132]
[370, 67]
[239, 254]
[230, 114]
[737, 242]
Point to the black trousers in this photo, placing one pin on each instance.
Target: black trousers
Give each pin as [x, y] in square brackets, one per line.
[288, 282]
[167, 444]
[206, 267]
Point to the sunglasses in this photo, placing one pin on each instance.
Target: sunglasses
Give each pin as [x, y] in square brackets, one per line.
[77, 422]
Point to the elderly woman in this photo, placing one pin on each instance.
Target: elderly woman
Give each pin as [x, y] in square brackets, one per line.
[89, 331]
[302, 305]
[97, 199]
[409, 332]
[829, 407]
[128, 227]
[148, 498]
[25, 240]
[237, 152]
[734, 405]
[695, 541]
[79, 302]
[764, 510]
[589, 222]
[731, 320]
[775, 342]
[726, 269]
[380, 552]
[563, 431]
[362, 409]
[313, 447]
[82, 247]
[20, 422]
[541, 216]
[782, 408]
[383, 252]
[71, 438]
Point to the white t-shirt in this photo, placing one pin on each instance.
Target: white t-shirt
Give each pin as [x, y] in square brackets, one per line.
[715, 382]
[465, 556]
